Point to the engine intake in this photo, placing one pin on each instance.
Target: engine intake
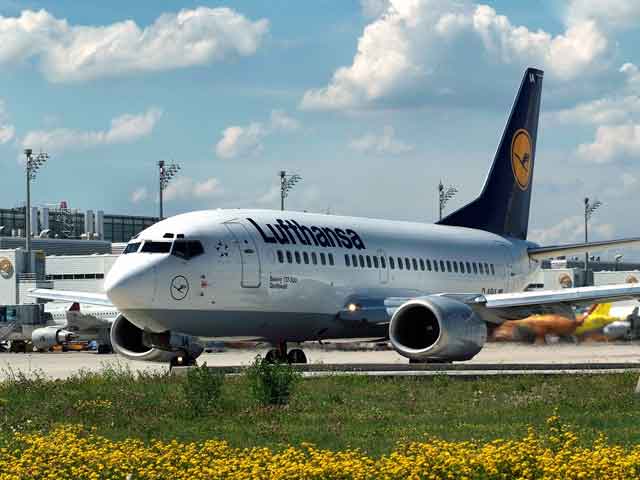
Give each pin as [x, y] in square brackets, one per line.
[133, 343]
[436, 328]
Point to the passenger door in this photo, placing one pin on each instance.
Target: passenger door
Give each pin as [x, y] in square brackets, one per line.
[383, 272]
[248, 255]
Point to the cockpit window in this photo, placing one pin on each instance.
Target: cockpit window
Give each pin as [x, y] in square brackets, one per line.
[131, 248]
[187, 249]
[156, 247]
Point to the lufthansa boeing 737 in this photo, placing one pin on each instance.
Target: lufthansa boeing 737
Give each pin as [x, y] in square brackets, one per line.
[434, 290]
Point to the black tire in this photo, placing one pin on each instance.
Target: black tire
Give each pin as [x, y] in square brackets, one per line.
[296, 355]
[271, 356]
[104, 349]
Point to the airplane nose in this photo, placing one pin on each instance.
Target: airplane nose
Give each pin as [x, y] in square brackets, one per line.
[132, 288]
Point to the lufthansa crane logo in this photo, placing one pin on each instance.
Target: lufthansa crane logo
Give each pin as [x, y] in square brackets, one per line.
[179, 287]
[521, 162]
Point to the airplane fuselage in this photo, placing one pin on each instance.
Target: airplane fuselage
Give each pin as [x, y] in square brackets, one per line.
[276, 276]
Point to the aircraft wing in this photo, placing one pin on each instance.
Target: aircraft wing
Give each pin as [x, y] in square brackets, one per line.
[541, 253]
[70, 296]
[496, 308]
[511, 306]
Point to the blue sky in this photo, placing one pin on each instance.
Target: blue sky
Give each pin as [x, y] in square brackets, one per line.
[371, 101]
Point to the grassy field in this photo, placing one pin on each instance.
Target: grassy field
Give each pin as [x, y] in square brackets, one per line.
[370, 413]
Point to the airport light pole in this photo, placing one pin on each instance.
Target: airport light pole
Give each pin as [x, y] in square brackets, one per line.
[444, 195]
[32, 166]
[589, 209]
[287, 182]
[167, 172]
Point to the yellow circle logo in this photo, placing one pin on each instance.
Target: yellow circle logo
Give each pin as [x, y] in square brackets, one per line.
[6, 267]
[521, 161]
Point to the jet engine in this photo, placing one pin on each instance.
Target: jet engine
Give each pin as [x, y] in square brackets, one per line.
[47, 337]
[436, 328]
[135, 344]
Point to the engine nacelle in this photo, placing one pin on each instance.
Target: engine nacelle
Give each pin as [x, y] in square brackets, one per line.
[133, 343]
[47, 337]
[436, 328]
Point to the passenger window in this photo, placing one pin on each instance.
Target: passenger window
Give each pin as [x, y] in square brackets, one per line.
[383, 263]
[314, 258]
[400, 266]
[392, 263]
[297, 255]
[354, 257]
[368, 261]
[442, 265]
[428, 264]
[280, 256]
[461, 267]
[305, 257]
[493, 270]
[407, 263]
[346, 260]
[331, 262]
[475, 268]
[422, 265]
[455, 266]
[361, 261]
[480, 269]
[323, 260]
[289, 257]
[486, 269]
[435, 265]
[187, 249]
[415, 264]
[375, 262]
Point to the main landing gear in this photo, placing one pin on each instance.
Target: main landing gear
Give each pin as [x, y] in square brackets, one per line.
[182, 359]
[280, 354]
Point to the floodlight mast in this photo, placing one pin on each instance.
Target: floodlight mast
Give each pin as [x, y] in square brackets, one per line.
[589, 209]
[287, 182]
[167, 172]
[31, 168]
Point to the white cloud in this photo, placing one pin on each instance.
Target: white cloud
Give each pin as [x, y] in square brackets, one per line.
[633, 76]
[247, 140]
[7, 131]
[612, 142]
[570, 230]
[602, 111]
[124, 129]
[610, 13]
[139, 195]
[68, 53]
[187, 188]
[380, 144]
[411, 46]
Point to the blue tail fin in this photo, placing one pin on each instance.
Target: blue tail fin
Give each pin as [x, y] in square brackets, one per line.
[503, 205]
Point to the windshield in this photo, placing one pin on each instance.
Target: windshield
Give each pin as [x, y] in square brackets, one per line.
[156, 247]
[131, 248]
[187, 249]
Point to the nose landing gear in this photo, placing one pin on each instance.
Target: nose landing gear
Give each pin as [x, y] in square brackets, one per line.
[280, 354]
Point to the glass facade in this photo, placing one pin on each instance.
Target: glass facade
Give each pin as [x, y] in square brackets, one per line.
[70, 224]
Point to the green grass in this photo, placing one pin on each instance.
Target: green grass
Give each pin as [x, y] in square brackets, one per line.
[371, 413]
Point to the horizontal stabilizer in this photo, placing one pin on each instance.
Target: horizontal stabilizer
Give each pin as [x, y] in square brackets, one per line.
[72, 297]
[541, 253]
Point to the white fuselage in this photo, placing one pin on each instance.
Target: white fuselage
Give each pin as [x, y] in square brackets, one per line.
[285, 275]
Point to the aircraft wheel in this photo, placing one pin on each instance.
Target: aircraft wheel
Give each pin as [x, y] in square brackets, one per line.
[296, 355]
[182, 360]
[103, 349]
[272, 356]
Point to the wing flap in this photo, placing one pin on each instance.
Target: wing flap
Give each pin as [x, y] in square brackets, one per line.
[70, 296]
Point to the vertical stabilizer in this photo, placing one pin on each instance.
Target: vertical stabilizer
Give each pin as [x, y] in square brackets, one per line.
[503, 205]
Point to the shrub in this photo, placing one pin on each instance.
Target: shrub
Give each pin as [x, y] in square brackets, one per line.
[272, 383]
[202, 388]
